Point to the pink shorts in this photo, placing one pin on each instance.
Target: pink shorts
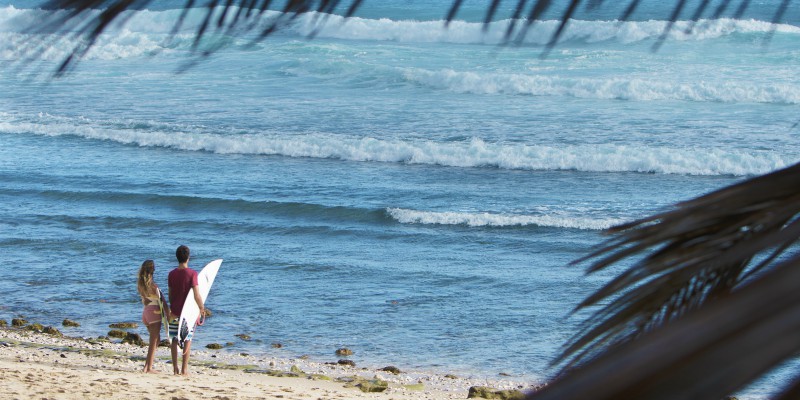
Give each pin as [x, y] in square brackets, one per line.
[151, 314]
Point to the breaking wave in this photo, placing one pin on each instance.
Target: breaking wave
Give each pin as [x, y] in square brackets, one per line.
[146, 31]
[500, 220]
[467, 153]
[640, 89]
[538, 34]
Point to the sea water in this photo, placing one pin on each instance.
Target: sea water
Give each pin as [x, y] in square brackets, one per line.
[411, 191]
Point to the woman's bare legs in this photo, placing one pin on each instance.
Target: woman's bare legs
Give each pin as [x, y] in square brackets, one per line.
[155, 336]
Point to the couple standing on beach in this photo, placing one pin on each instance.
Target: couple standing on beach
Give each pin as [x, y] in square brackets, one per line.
[180, 281]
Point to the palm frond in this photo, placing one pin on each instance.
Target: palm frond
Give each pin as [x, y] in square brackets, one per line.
[84, 24]
[701, 250]
[244, 17]
[708, 354]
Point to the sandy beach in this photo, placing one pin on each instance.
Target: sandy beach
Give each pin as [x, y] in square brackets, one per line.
[43, 366]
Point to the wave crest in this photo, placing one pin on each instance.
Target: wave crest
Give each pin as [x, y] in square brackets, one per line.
[729, 91]
[469, 153]
[156, 25]
[539, 34]
[499, 220]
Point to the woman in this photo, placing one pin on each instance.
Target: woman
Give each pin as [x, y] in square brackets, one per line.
[151, 314]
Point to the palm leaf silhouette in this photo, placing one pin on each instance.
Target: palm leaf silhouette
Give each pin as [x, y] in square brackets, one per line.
[250, 17]
[707, 354]
[710, 301]
[709, 297]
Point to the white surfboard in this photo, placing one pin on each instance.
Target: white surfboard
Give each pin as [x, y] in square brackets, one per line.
[190, 314]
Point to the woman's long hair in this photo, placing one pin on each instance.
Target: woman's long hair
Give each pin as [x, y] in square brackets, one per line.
[145, 283]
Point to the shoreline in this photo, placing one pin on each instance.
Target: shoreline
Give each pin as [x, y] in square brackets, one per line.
[41, 365]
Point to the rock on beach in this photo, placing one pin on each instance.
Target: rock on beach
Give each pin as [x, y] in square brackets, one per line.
[483, 392]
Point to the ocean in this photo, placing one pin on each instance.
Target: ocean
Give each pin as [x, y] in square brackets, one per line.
[412, 192]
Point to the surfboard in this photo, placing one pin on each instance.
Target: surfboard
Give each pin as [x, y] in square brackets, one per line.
[190, 314]
[163, 306]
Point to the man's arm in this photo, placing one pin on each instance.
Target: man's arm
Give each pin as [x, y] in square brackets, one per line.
[199, 301]
[170, 315]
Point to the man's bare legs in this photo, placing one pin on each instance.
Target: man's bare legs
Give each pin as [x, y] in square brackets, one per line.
[184, 370]
[174, 347]
[185, 365]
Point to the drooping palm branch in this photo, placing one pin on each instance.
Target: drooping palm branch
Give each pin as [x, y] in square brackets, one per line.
[250, 17]
[709, 303]
[701, 249]
[231, 17]
[708, 354]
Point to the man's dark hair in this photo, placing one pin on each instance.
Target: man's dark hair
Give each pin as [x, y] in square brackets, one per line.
[182, 253]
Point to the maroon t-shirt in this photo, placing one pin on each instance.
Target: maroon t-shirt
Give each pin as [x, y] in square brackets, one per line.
[180, 281]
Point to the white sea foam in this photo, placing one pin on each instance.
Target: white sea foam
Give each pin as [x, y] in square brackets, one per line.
[146, 31]
[468, 153]
[539, 33]
[627, 88]
[499, 220]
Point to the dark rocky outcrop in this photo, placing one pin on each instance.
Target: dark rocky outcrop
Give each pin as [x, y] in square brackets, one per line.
[350, 363]
[124, 325]
[365, 385]
[391, 369]
[214, 346]
[134, 339]
[344, 352]
[294, 372]
[19, 322]
[373, 386]
[483, 392]
[70, 323]
[51, 331]
[116, 333]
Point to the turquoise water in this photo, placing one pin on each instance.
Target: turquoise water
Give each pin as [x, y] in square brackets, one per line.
[411, 192]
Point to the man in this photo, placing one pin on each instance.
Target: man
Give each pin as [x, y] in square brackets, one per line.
[181, 280]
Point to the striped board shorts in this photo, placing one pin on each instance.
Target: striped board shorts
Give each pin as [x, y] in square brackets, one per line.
[173, 329]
